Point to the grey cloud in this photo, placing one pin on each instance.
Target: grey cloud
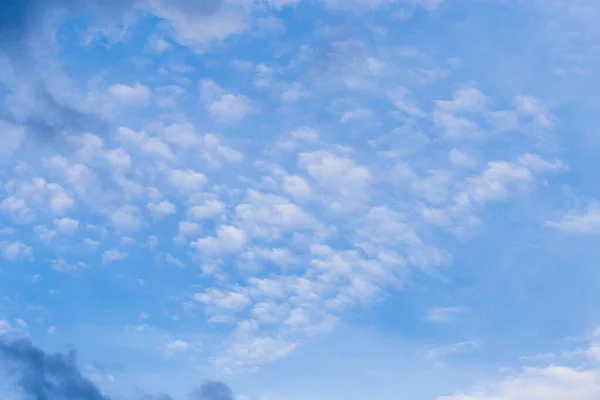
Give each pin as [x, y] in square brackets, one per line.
[43, 376]
[213, 391]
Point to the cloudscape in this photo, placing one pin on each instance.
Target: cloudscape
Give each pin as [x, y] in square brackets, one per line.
[299, 200]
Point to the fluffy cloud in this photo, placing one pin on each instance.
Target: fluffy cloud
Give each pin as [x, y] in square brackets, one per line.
[66, 225]
[16, 251]
[113, 255]
[135, 94]
[583, 222]
[228, 239]
[223, 105]
[162, 209]
[553, 382]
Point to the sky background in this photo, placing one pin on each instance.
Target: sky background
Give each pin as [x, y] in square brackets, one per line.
[335, 199]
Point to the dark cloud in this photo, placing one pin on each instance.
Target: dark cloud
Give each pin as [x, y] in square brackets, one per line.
[213, 391]
[42, 376]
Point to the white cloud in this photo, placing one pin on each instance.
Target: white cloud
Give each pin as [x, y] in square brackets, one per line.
[197, 25]
[233, 301]
[223, 105]
[580, 222]
[177, 346]
[127, 241]
[465, 100]
[16, 251]
[207, 210]
[36, 193]
[553, 382]
[531, 107]
[267, 215]
[135, 94]
[228, 239]
[61, 265]
[461, 159]
[113, 255]
[182, 134]
[278, 256]
[162, 209]
[538, 164]
[216, 153]
[455, 127]
[494, 181]
[187, 230]
[303, 135]
[66, 225]
[127, 218]
[349, 182]
[152, 146]
[44, 233]
[187, 180]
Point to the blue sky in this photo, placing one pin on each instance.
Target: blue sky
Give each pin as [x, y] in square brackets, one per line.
[304, 199]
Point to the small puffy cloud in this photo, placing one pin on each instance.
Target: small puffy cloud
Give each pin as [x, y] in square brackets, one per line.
[228, 239]
[268, 215]
[187, 180]
[177, 346]
[216, 153]
[197, 25]
[303, 135]
[223, 105]
[162, 209]
[15, 251]
[346, 181]
[187, 230]
[233, 301]
[66, 225]
[44, 233]
[454, 127]
[494, 181]
[36, 193]
[127, 218]
[465, 100]
[134, 94]
[113, 255]
[537, 164]
[461, 159]
[207, 210]
[61, 265]
[579, 222]
[148, 145]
